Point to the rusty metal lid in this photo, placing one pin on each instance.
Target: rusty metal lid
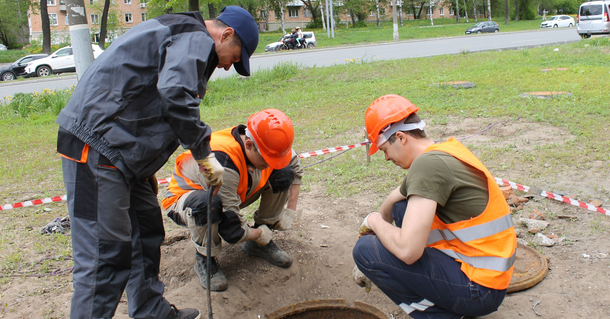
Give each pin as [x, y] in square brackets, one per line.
[530, 268]
[328, 309]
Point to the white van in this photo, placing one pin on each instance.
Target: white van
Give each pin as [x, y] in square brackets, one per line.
[593, 18]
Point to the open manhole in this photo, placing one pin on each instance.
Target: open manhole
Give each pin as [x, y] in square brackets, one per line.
[530, 268]
[328, 309]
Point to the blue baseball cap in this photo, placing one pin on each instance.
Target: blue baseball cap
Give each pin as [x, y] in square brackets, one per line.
[246, 29]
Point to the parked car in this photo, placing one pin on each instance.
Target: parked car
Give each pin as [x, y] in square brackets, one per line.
[60, 61]
[485, 26]
[2, 47]
[310, 39]
[16, 69]
[593, 18]
[561, 21]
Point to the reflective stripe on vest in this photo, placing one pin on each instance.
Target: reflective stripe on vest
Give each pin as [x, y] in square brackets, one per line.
[484, 262]
[181, 183]
[473, 232]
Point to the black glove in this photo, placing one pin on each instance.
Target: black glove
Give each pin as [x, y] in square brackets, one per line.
[281, 179]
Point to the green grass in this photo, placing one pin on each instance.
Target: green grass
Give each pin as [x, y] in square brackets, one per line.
[10, 56]
[328, 110]
[411, 29]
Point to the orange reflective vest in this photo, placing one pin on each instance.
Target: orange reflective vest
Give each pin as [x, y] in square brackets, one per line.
[222, 141]
[486, 244]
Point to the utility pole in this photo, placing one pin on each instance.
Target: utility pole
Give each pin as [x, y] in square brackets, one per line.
[395, 20]
[79, 36]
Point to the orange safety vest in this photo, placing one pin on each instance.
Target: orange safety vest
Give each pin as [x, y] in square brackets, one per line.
[222, 141]
[485, 245]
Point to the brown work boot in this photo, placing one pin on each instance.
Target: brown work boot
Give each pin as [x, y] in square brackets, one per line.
[218, 278]
[174, 313]
[271, 252]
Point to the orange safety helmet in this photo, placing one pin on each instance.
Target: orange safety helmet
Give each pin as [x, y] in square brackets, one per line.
[384, 111]
[273, 135]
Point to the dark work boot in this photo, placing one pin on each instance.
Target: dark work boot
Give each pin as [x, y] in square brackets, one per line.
[271, 252]
[218, 279]
[174, 313]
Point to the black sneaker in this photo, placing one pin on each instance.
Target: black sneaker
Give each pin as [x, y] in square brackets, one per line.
[271, 252]
[218, 279]
[174, 313]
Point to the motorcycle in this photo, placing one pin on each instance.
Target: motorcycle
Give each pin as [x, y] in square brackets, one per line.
[291, 43]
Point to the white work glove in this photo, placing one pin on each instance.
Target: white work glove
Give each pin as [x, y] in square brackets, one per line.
[285, 221]
[265, 237]
[364, 228]
[211, 170]
[360, 279]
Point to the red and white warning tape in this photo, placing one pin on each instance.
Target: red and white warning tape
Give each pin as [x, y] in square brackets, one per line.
[338, 149]
[331, 150]
[34, 202]
[554, 196]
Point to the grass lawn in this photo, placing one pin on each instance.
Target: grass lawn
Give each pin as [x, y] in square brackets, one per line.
[411, 29]
[328, 111]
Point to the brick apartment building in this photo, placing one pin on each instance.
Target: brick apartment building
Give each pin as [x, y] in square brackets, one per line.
[132, 12]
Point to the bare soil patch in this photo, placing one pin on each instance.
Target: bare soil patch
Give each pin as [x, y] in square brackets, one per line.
[325, 231]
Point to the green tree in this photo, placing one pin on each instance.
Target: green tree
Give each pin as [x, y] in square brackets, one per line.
[110, 19]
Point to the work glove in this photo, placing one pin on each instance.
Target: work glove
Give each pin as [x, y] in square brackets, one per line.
[211, 170]
[265, 237]
[361, 280]
[364, 228]
[285, 221]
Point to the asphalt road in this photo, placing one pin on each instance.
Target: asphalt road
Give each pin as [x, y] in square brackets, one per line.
[338, 55]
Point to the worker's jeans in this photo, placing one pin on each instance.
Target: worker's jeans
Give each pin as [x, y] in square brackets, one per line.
[117, 231]
[432, 287]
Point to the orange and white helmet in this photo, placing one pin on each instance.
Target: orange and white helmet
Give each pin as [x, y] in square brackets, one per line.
[273, 134]
[385, 117]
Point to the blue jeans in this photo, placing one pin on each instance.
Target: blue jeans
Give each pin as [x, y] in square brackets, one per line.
[432, 287]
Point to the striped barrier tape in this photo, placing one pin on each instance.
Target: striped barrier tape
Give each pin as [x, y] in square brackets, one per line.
[332, 150]
[554, 196]
[34, 202]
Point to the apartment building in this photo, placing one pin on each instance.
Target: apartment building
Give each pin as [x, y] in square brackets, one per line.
[297, 14]
[132, 12]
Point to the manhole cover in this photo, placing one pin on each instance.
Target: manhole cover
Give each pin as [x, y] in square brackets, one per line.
[530, 268]
[455, 84]
[328, 309]
[545, 94]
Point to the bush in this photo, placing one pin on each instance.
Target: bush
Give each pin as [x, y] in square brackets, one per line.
[24, 104]
[314, 24]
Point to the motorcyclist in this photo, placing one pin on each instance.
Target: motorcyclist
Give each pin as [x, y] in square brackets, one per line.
[300, 37]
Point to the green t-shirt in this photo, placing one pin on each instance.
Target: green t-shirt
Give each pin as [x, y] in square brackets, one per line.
[459, 189]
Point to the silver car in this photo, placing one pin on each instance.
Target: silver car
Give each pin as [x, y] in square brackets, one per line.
[593, 18]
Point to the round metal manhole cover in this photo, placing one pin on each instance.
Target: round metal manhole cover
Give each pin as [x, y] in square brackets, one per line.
[530, 268]
[328, 309]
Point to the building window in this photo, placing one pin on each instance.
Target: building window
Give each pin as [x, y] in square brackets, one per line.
[372, 14]
[51, 2]
[263, 14]
[95, 19]
[430, 10]
[442, 11]
[53, 19]
[128, 18]
[293, 12]
[127, 1]
[96, 37]
[306, 13]
[67, 22]
[143, 15]
[451, 12]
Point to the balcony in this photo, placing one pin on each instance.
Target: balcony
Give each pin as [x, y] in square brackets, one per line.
[62, 6]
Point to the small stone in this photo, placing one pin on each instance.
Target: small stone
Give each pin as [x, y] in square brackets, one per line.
[552, 236]
[534, 190]
[522, 241]
[596, 203]
[534, 230]
[572, 196]
[513, 200]
[534, 223]
[537, 215]
[506, 191]
[542, 240]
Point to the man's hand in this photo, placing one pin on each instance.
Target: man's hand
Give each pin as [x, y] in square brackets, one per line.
[365, 229]
[212, 171]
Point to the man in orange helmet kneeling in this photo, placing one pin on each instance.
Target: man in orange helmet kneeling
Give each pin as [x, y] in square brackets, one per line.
[451, 251]
[259, 163]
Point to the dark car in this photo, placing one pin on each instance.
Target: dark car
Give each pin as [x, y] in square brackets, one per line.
[16, 69]
[485, 26]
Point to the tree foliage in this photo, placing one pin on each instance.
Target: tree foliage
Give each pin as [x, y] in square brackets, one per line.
[13, 21]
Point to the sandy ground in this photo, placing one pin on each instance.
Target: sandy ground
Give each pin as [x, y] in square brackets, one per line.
[325, 231]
